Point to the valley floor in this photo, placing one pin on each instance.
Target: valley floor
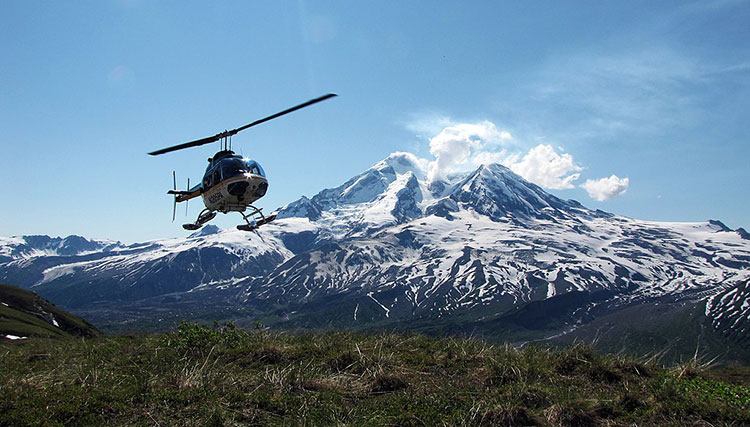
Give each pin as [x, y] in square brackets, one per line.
[224, 376]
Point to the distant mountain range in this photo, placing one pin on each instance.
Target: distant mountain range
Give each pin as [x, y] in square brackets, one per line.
[483, 252]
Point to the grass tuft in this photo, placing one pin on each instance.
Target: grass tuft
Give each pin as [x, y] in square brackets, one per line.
[570, 415]
[509, 416]
[384, 383]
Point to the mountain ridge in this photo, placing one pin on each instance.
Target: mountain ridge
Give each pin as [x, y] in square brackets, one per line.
[388, 246]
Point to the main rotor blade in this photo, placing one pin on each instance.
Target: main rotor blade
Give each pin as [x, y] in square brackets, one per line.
[195, 143]
[287, 111]
[218, 136]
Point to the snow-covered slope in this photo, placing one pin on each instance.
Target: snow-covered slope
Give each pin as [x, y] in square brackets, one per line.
[208, 258]
[389, 246]
[441, 265]
[729, 311]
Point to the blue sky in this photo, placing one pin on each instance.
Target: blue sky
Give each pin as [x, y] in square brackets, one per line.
[655, 92]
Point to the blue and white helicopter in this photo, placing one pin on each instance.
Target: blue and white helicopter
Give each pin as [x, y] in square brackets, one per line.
[231, 183]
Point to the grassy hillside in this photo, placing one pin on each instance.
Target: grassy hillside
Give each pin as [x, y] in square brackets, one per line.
[223, 376]
[25, 314]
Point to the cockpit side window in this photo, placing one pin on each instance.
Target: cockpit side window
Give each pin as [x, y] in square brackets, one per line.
[254, 168]
[208, 180]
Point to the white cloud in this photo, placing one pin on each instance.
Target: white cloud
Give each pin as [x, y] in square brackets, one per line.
[405, 161]
[454, 145]
[459, 146]
[606, 188]
[543, 166]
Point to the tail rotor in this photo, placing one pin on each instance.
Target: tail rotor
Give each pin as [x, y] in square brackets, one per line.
[174, 186]
[188, 200]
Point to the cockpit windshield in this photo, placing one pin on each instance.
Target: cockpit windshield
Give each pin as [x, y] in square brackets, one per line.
[232, 167]
[254, 168]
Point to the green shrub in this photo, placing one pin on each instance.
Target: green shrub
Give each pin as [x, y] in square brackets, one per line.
[735, 395]
[194, 336]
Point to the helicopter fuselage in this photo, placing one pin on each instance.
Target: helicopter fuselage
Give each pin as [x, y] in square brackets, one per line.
[236, 193]
[231, 183]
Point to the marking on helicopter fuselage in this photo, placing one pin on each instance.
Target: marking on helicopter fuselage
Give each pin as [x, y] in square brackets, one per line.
[215, 197]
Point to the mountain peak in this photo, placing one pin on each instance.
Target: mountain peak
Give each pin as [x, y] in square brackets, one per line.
[207, 230]
[495, 191]
[398, 185]
[367, 187]
[402, 162]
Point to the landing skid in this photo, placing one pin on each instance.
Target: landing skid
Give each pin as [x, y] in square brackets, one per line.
[253, 224]
[205, 216]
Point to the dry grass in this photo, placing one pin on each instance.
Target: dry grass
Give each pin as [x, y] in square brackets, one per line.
[227, 377]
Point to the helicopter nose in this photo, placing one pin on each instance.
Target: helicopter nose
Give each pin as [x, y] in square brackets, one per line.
[262, 188]
[237, 188]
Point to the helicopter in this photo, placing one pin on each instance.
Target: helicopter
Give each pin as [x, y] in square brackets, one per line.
[231, 183]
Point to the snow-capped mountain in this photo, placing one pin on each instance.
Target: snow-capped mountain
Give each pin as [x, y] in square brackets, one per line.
[30, 246]
[143, 270]
[391, 247]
